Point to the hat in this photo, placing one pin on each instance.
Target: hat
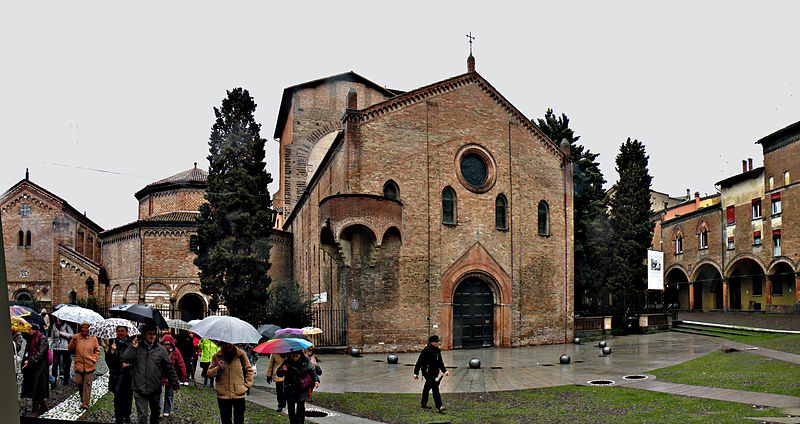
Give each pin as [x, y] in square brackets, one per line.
[433, 339]
[86, 323]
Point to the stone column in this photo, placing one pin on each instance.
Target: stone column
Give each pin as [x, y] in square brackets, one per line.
[797, 292]
[691, 295]
[725, 295]
[768, 294]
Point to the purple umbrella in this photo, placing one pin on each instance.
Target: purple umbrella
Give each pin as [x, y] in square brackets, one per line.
[290, 330]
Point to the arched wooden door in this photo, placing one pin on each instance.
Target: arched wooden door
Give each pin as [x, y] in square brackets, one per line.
[473, 314]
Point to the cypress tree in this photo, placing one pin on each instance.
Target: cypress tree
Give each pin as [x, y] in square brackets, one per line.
[234, 225]
[589, 203]
[632, 227]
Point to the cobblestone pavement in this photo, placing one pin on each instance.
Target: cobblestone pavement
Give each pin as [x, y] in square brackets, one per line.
[746, 319]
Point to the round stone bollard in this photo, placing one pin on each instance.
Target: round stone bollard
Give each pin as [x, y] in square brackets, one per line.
[355, 352]
[392, 359]
[474, 363]
[607, 350]
[564, 359]
[576, 340]
[602, 344]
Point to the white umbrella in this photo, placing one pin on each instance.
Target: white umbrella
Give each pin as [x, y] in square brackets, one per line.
[226, 329]
[107, 328]
[77, 314]
[194, 322]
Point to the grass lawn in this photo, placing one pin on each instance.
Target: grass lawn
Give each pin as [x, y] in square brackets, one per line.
[191, 405]
[564, 404]
[783, 342]
[736, 370]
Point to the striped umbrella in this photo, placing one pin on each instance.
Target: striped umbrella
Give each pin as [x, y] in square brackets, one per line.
[31, 316]
[179, 324]
[282, 346]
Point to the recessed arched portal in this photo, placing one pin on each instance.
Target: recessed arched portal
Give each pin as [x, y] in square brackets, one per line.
[473, 314]
[746, 284]
[191, 306]
[708, 290]
[781, 291]
[23, 296]
[676, 288]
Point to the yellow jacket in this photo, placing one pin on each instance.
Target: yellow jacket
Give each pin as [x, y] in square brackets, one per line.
[275, 362]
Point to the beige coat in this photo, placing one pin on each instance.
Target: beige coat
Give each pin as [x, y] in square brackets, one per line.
[275, 361]
[233, 381]
[87, 352]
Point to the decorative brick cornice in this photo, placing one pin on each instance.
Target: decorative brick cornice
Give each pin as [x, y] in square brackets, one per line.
[423, 93]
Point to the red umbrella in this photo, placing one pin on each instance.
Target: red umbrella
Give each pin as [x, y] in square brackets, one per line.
[282, 346]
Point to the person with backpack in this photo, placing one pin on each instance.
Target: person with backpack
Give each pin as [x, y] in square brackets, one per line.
[87, 353]
[234, 376]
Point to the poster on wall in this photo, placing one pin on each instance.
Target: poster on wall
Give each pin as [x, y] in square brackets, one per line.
[655, 270]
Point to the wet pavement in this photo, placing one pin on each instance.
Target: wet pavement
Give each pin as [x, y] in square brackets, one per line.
[513, 368]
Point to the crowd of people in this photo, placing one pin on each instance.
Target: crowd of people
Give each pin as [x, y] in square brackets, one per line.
[150, 370]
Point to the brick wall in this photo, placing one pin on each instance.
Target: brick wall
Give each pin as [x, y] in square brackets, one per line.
[170, 201]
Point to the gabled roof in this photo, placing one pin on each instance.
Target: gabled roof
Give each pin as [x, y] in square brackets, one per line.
[780, 138]
[54, 198]
[423, 93]
[192, 178]
[753, 173]
[286, 100]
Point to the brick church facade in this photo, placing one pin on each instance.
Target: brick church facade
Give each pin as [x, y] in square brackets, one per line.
[442, 210]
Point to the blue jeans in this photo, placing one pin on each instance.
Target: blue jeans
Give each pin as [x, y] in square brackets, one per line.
[166, 404]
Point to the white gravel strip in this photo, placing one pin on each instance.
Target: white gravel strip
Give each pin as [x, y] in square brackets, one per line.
[739, 327]
[70, 408]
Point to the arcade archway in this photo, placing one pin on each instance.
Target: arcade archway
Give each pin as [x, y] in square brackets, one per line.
[746, 285]
[473, 314]
[192, 306]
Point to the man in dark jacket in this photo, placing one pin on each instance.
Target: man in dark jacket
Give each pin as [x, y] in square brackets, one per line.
[149, 361]
[430, 362]
[119, 381]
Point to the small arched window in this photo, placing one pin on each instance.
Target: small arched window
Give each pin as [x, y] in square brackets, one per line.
[771, 182]
[501, 212]
[28, 238]
[449, 206]
[73, 297]
[544, 218]
[391, 190]
[193, 246]
[786, 177]
[679, 244]
[20, 238]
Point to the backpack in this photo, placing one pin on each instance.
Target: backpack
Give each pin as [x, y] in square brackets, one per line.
[49, 357]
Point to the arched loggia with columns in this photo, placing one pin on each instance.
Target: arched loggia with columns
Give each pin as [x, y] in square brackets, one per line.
[745, 276]
[708, 290]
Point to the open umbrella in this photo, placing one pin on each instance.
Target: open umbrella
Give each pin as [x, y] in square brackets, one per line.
[282, 346]
[76, 314]
[139, 313]
[19, 325]
[107, 328]
[289, 330]
[268, 330]
[310, 331]
[226, 329]
[31, 316]
[194, 322]
[179, 324]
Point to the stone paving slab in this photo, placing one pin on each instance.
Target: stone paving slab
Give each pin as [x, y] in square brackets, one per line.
[268, 400]
[740, 396]
[769, 353]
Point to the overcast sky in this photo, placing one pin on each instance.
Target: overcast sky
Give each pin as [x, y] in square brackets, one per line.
[129, 88]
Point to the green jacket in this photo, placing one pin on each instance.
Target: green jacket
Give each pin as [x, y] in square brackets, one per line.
[207, 350]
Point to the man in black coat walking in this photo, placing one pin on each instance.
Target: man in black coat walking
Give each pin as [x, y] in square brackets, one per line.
[430, 362]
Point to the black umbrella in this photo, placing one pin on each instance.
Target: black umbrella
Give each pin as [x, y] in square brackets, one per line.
[139, 313]
[268, 330]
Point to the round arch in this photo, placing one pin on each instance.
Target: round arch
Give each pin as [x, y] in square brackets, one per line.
[192, 306]
[707, 288]
[676, 287]
[474, 300]
[780, 260]
[23, 295]
[699, 265]
[747, 286]
[741, 257]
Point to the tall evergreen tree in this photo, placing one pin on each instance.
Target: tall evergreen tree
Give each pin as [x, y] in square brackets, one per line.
[632, 227]
[234, 227]
[589, 203]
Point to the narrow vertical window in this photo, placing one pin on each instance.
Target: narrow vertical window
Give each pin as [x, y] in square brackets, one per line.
[21, 238]
[679, 244]
[544, 218]
[771, 183]
[776, 203]
[786, 178]
[704, 239]
[731, 244]
[28, 238]
[730, 213]
[193, 247]
[391, 190]
[449, 206]
[756, 208]
[756, 238]
[776, 242]
[501, 212]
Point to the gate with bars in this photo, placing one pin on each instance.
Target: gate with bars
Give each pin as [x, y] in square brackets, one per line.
[333, 323]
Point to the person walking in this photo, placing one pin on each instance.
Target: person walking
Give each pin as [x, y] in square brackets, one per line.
[180, 368]
[234, 375]
[119, 380]
[207, 349]
[60, 335]
[430, 363]
[275, 362]
[87, 353]
[35, 375]
[149, 361]
[298, 376]
[188, 352]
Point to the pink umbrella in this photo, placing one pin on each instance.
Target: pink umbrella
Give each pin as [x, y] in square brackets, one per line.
[290, 330]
